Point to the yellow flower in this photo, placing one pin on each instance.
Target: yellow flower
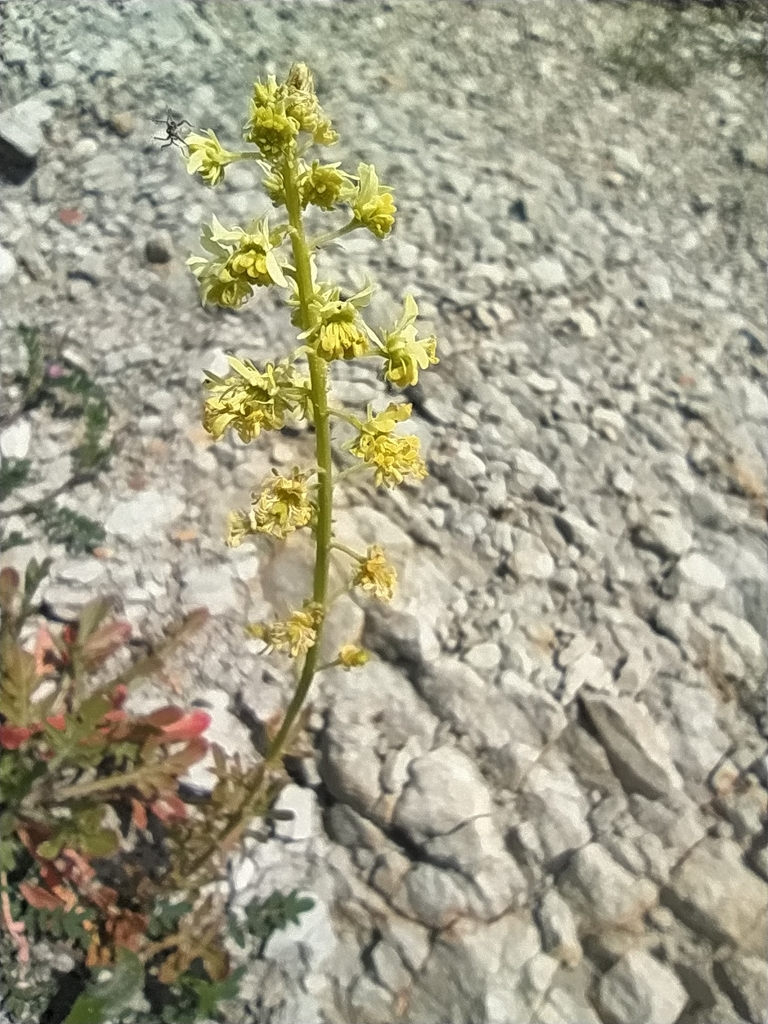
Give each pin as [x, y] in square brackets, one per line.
[372, 204]
[238, 528]
[272, 182]
[375, 575]
[405, 353]
[241, 260]
[207, 157]
[322, 185]
[253, 401]
[341, 339]
[394, 457]
[339, 331]
[283, 506]
[272, 131]
[302, 105]
[352, 656]
[385, 422]
[297, 634]
[279, 112]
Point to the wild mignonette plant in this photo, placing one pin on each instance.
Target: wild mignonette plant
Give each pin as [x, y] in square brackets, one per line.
[286, 121]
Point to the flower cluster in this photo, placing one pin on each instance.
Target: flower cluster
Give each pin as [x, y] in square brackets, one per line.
[352, 656]
[375, 575]
[282, 507]
[405, 353]
[280, 111]
[241, 260]
[207, 157]
[253, 400]
[372, 205]
[296, 634]
[339, 331]
[322, 185]
[394, 457]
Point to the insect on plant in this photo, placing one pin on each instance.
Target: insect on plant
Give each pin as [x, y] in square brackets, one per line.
[173, 129]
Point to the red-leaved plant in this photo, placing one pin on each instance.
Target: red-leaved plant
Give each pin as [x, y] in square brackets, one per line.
[83, 783]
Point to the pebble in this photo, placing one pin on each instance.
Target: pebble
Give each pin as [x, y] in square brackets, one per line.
[213, 589]
[665, 533]
[559, 929]
[21, 128]
[159, 249]
[636, 747]
[302, 803]
[484, 657]
[15, 439]
[8, 266]
[744, 979]
[626, 161]
[698, 570]
[144, 515]
[548, 273]
[531, 559]
[716, 894]
[466, 463]
[587, 669]
[639, 989]
[541, 385]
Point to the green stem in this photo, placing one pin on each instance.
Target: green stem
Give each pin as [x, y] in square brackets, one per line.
[347, 551]
[340, 414]
[331, 236]
[318, 374]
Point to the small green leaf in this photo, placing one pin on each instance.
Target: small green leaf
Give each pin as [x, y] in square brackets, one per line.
[34, 374]
[8, 851]
[235, 930]
[34, 576]
[91, 616]
[51, 848]
[77, 533]
[99, 844]
[13, 473]
[275, 913]
[166, 916]
[210, 993]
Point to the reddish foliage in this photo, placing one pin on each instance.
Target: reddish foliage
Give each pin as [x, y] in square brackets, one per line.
[12, 736]
[39, 898]
[177, 725]
[169, 807]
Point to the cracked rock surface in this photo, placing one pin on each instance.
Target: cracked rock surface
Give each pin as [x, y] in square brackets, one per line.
[545, 799]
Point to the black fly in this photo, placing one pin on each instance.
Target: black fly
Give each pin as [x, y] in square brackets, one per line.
[173, 129]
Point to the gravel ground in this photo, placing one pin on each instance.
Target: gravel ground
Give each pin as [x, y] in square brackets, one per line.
[545, 800]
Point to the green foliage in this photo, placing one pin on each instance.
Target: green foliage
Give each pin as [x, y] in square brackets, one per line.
[210, 993]
[166, 916]
[198, 999]
[71, 925]
[68, 392]
[274, 914]
[109, 992]
[13, 473]
[33, 378]
[76, 532]
[14, 539]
